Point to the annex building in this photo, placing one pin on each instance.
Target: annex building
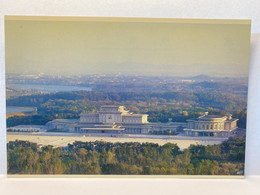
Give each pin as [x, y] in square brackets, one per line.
[211, 125]
[114, 120]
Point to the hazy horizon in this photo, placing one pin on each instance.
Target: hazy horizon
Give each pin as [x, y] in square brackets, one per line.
[120, 74]
[152, 49]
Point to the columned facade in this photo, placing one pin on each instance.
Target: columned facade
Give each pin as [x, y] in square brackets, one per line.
[113, 114]
[113, 119]
[211, 125]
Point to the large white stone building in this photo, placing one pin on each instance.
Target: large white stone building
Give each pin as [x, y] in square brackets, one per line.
[114, 114]
[114, 119]
[211, 125]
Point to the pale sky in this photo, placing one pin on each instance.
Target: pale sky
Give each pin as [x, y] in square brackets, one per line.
[148, 48]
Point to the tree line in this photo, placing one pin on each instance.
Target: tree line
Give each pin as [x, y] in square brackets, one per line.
[215, 100]
[127, 158]
[178, 106]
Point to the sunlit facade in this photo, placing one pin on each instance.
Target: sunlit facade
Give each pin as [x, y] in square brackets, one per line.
[211, 125]
[114, 119]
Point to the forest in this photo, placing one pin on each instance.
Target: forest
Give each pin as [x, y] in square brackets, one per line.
[215, 100]
[127, 158]
[178, 106]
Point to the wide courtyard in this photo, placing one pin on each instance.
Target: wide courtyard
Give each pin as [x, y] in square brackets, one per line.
[63, 139]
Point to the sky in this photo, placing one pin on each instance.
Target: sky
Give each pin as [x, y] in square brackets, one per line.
[133, 47]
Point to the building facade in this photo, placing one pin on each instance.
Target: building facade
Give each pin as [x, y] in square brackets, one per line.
[27, 128]
[114, 114]
[113, 119]
[211, 125]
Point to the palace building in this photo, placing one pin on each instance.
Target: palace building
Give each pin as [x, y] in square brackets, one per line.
[115, 120]
[119, 120]
[211, 125]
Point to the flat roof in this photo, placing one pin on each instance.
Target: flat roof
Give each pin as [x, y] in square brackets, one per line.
[66, 120]
[212, 116]
[104, 129]
[89, 113]
[111, 106]
[27, 126]
[135, 115]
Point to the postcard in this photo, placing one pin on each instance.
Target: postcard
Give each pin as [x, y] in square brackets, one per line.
[126, 96]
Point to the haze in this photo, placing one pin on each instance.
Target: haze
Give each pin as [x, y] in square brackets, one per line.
[92, 47]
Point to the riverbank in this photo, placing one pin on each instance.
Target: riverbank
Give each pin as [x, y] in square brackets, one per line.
[18, 111]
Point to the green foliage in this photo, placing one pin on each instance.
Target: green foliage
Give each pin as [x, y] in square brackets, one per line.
[93, 100]
[127, 158]
[179, 106]
[29, 120]
[241, 115]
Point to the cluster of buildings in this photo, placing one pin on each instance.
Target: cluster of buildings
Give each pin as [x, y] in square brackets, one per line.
[118, 120]
[115, 120]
